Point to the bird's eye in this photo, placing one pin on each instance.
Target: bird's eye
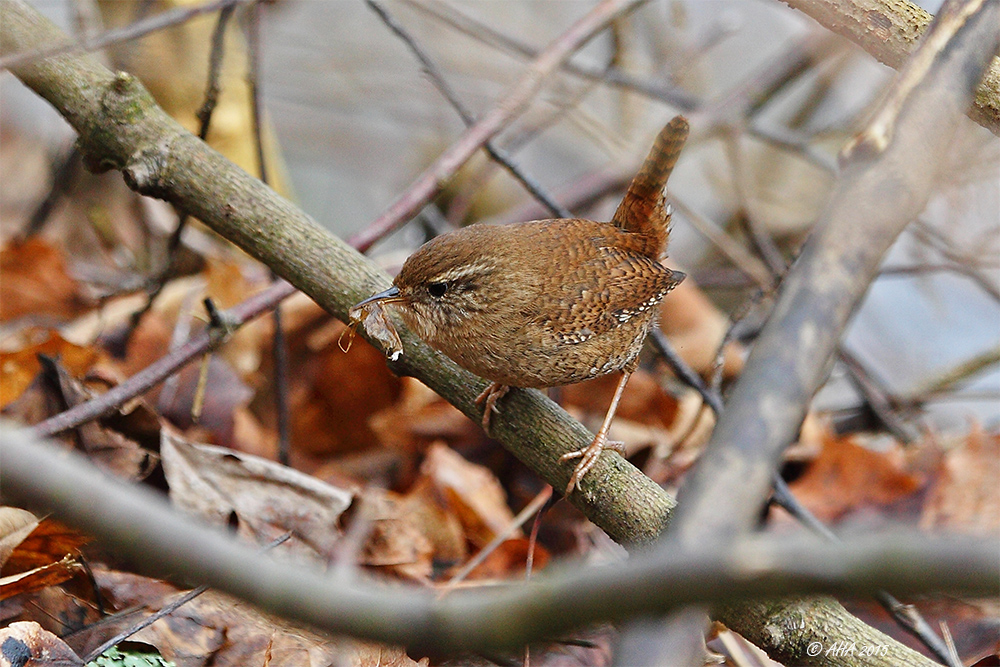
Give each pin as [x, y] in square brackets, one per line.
[437, 290]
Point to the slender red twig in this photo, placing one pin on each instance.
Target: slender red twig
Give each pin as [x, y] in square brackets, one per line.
[159, 370]
[502, 114]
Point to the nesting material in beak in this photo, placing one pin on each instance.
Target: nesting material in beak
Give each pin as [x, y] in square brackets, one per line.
[378, 326]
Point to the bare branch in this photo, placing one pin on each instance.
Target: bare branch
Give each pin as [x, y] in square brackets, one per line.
[499, 155]
[121, 128]
[139, 524]
[890, 31]
[172, 362]
[64, 45]
[506, 110]
[888, 175]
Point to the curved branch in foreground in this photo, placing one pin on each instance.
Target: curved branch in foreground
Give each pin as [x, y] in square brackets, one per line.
[888, 174]
[141, 526]
[890, 32]
[121, 128]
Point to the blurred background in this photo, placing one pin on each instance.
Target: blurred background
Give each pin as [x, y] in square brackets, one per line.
[906, 430]
[353, 118]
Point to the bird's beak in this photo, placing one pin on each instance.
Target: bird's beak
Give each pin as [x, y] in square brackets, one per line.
[677, 277]
[390, 295]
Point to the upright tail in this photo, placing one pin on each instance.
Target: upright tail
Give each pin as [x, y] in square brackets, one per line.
[642, 210]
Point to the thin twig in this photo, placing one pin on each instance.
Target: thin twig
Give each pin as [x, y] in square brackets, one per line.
[580, 195]
[159, 370]
[877, 398]
[767, 249]
[932, 238]
[279, 346]
[498, 154]
[531, 508]
[63, 175]
[683, 371]
[502, 114]
[253, 80]
[127, 33]
[911, 620]
[727, 245]
[204, 114]
[146, 622]
[164, 611]
[181, 333]
[952, 376]
[216, 54]
[487, 34]
[560, 107]
[530, 560]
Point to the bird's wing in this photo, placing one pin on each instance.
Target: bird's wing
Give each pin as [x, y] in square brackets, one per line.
[630, 285]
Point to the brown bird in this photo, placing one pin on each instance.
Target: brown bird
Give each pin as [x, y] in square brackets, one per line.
[549, 302]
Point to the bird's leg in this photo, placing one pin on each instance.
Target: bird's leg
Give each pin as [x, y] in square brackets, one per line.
[588, 455]
[493, 393]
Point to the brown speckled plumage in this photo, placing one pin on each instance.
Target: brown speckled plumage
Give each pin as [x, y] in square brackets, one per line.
[557, 324]
[549, 302]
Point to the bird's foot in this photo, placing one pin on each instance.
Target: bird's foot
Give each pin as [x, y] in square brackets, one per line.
[588, 458]
[493, 393]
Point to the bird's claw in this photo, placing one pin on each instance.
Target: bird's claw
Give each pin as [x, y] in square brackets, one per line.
[589, 456]
[494, 392]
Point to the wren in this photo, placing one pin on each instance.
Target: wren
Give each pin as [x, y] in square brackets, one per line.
[549, 302]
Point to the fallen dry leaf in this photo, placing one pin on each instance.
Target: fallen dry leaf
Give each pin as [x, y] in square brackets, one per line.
[39, 401]
[59, 609]
[40, 577]
[35, 554]
[470, 490]
[965, 496]
[224, 394]
[54, 389]
[19, 367]
[251, 437]
[847, 477]
[36, 282]
[48, 541]
[112, 450]
[334, 395]
[220, 631]
[436, 521]
[15, 525]
[395, 542]
[267, 499]
[27, 643]
[417, 419]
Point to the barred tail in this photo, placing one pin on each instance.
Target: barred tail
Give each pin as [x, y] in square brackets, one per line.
[642, 210]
